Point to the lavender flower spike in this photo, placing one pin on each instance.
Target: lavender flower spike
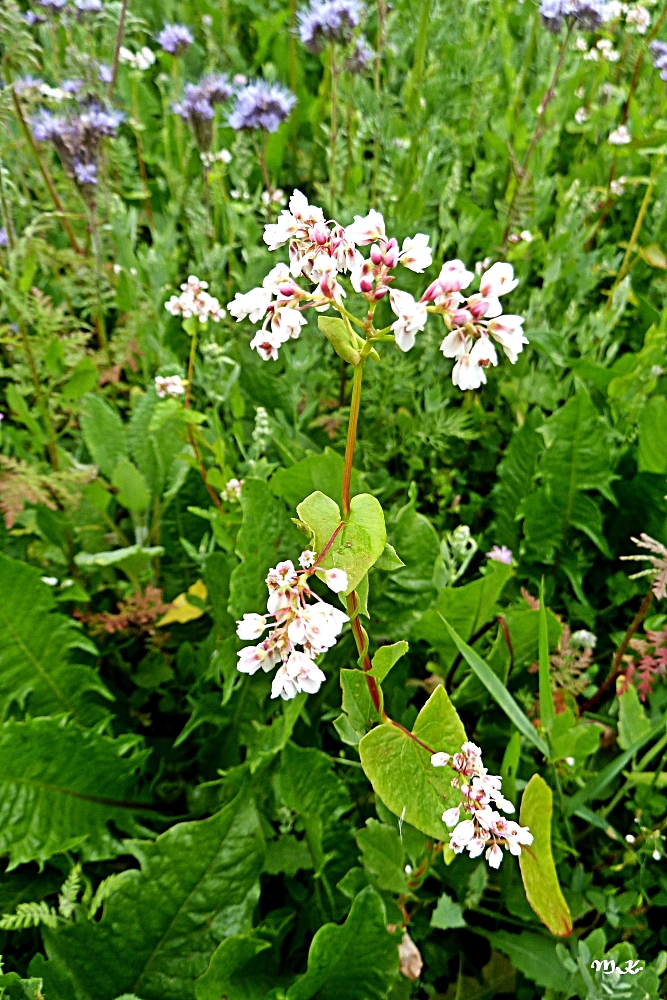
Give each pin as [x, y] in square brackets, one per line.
[175, 39]
[197, 106]
[589, 14]
[260, 105]
[328, 21]
[361, 57]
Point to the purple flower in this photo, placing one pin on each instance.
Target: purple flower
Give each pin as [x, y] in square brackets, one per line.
[104, 73]
[85, 173]
[26, 84]
[501, 554]
[71, 86]
[328, 21]
[197, 106]
[589, 14]
[175, 39]
[3, 237]
[659, 50]
[52, 6]
[77, 139]
[260, 105]
[88, 6]
[361, 57]
[32, 18]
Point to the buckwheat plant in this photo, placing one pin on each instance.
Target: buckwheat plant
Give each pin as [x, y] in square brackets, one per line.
[326, 265]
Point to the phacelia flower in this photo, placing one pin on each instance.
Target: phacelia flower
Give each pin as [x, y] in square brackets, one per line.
[175, 39]
[638, 18]
[293, 622]
[194, 300]
[169, 385]
[501, 554]
[588, 14]
[327, 21]
[88, 6]
[197, 106]
[361, 57]
[77, 139]
[482, 829]
[261, 105]
[659, 51]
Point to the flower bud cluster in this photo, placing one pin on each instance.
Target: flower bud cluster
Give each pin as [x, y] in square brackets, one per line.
[169, 385]
[194, 300]
[486, 830]
[321, 251]
[293, 622]
[197, 106]
[77, 138]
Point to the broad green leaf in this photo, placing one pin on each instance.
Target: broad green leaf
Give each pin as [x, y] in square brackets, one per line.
[516, 474]
[266, 536]
[287, 855]
[197, 885]
[467, 608]
[386, 657]
[35, 649]
[383, 856]
[401, 772]
[389, 561]
[447, 914]
[357, 960]
[417, 544]
[568, 738]
[133, 494]
[317, 472]
[546, 696]
[633, 722]
[499, 692]
[535, 956]
[338, 335]
[652, 453]
[103, 433]
[82, 380]
[239, 970]
[60, 786]
[357, 701]
[537, 864]
[358, 545]
[155, 452]
[308, 784]
[132, 560]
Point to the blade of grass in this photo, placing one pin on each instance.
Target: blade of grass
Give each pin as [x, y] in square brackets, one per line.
[546, 696]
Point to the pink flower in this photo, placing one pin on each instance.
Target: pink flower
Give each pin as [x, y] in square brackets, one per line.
[336, 580]
[366, 229]
[498, 280]
[501, 554]
[416, 253]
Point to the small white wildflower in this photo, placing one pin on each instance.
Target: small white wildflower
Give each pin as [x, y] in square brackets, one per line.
[620, 136]
[232, 490]
[581, 116]
[629, 838]
[618, 187]
[169, 385]
[52, 581]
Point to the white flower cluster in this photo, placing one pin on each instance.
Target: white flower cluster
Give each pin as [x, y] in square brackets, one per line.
[194, 300]
[232, 490]
[603, 49]
[485, 830]
[314, 627]
[141, 60]
[620, 136]
[169, 385]
[322, 251]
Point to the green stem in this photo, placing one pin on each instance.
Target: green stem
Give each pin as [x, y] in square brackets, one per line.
[334, 130]
[116, 52]
[351, 437]
[6, 215]
[42, 405]
[625, 266]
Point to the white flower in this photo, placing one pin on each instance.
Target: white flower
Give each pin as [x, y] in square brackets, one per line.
[232, 490]
[581, 45]
[287, 322]
[618, 187]
[462, 836]
[507, 331]
[455, 344]
[307, 558]
[336, 580]
[251, 658]
[483, 352]
[252, 304]
[307, 215]
[194, 300]
[454, 276]
[277, 276]
[298, 674]
[278, 233]
[416, 253]
[581, 116]
[476, 847]
[52, 581]
[366, 229]
[467, 375]
[639, 18]
[526, 236]
[583, 639]
[494, 856]
[143, 59]
[498, 280]
[440, 759]
[592, 56]
[412, 317]
[250, 627]
[169, 385]
[266, 343]
[620, 136]
[450, 817]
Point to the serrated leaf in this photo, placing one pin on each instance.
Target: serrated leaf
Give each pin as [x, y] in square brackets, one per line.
[447, 914]
[358, 545]
[357, 961]
[537, 864]
[103, 433]
[60, 786]
[133, 494]
[386, 657]
[35, 642]
[401, 772]
[198, 884]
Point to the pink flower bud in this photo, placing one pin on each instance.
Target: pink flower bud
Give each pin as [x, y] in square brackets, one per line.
[431, 292]
[461, 317]
[320, 234]
[376, 254]
[391, 256]
[480, 308]
[393, 242]
[366, 285]
[286, 289]
[380, 293]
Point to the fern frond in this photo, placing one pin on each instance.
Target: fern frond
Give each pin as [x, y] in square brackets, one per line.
[29, 915]
[69, 892]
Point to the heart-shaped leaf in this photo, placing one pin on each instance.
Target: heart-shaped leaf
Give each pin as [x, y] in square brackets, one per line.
[401, 772]
[358, 545]
[537, 864]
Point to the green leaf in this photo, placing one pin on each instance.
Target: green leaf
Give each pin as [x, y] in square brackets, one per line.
[401, 772]
[357, 961]
[358, 545]
[155, 451]
[516, 474]
[535, 956]
[287, 855]
[386, 657]
[267, 535]
[510, 766]
[35, 647]
[383, 856]
[12, 987]
[652, 452]
[417, 541]
[133, 493]
[546, 696]
[357, 701]
[103, 433]
[82, 380]
[467, 608]
[338, 335]
[317, 472]
[633, 722]
[570, 739]
[389, 561]
[133, 560]
[447, 914]
[537, 864]
[198, 884]
[60, 786]
[308, 784]
[238, 971]
[499, 692]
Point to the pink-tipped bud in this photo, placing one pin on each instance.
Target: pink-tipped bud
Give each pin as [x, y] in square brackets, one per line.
[393, 242]
[366, 285]
[479, 309]
[461, 317]
[391, 257]
[320, 234]
[380, 294]
[376, 254]
[431, 292]
[286, 290]
[327, 286]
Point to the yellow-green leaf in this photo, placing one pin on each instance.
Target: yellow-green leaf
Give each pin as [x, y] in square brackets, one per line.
[181, 610]
[537, 864]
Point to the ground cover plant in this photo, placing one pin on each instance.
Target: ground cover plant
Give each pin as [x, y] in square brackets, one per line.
[333, 462]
